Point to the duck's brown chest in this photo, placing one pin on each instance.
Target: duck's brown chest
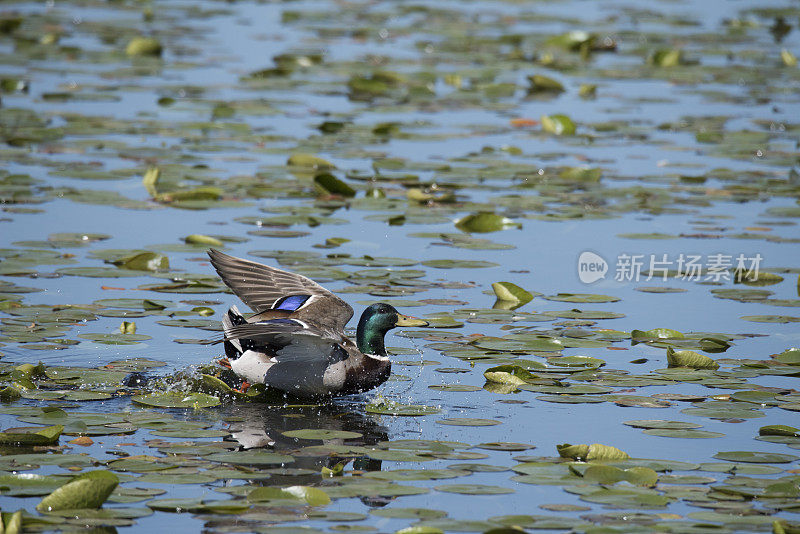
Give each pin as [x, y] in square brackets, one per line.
[366, 374]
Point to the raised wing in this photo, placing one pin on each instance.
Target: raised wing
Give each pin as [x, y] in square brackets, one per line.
[265, 288]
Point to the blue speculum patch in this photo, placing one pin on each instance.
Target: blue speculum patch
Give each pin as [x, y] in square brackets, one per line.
[291, 303]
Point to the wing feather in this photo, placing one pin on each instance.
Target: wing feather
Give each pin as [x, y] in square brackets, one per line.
[261, 286]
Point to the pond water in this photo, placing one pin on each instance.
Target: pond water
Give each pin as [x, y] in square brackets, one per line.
[545, 183]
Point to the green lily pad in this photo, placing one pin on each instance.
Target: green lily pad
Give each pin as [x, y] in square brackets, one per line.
[408, 513]
[309, 161]
[474, 489]
[467, 421]
[144, 46]
[89, 490]
[508, 292]
[779, 430]
[682, 433]
[689, 358]
[311, 496]
[558, 124]
[756, 457]
[662, 424]
[29, 484]
[177, 400]
[581, 297]
[250, 457]
[321, 434]
[656, 333]
[595, 451]
[771, 318]
[459, 264]
[485, 222]
[394, 408]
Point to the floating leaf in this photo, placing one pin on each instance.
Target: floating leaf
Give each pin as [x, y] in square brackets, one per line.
[508, 374]
[607, 474]
[485, 222]
[789, 59]
[331, 185]
[144, 261]
[689, 358]
[89, 490]
[467, 421]
[309, 161]
[660, 423]
[512, 293]
[251, 457]
[43, 436]
[581, 174]
[543, 84]
[558, 124]
[200, 239]
[474, 489]
[682, 433]
[595, 451]
[176, 399]
[779, 430]
[127, 327]
[664, 57]
[321, 434]
[581, 297]
[144, 46]
[311, 496]
[656, 333]
[789, 356]
[385, 407]
[756, 457]
[150, 180]
[587, 90]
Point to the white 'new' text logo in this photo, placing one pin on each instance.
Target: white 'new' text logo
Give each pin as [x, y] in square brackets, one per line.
[591, 267]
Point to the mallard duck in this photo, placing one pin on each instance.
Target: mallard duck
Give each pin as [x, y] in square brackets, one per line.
[295, 342]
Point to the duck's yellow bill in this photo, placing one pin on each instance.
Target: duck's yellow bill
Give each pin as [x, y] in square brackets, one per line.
[407, 320]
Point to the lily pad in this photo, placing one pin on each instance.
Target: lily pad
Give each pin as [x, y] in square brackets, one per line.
[321, 434]
[177, 400]
[467, 421]
[756, 457]
[394, 408]
[89, 490]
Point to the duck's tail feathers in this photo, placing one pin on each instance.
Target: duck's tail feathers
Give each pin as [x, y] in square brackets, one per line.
[233, 347]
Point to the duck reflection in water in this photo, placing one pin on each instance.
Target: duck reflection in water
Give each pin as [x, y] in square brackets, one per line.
[256, 426]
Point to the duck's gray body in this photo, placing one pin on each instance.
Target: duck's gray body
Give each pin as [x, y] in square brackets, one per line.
[297, 360]
[295, 342]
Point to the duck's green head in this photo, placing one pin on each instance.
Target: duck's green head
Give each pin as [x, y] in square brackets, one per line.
[375, 322]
